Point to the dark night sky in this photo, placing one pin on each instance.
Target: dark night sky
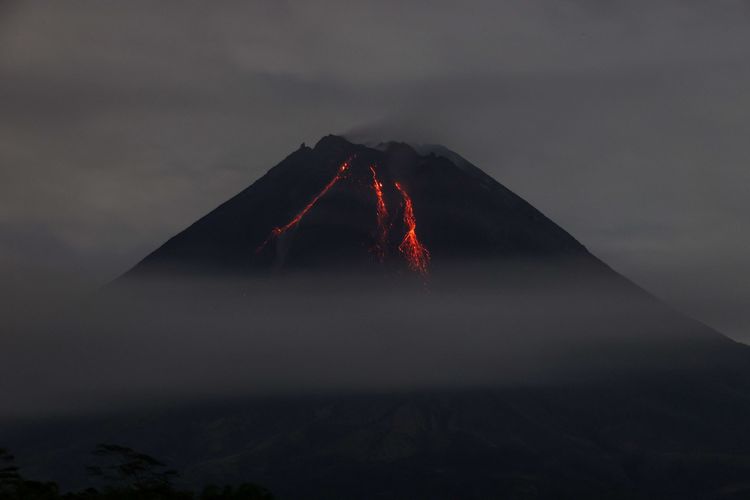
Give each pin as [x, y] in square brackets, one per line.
[625, 122]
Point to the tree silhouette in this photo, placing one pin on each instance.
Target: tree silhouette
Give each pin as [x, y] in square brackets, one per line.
[9, 476]
[131, 469]
[14, 487]
[127, 474]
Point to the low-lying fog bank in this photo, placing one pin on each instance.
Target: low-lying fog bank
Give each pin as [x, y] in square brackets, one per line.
[178, 340]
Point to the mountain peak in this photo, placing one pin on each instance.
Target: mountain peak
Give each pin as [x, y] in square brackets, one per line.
[332, 142]
[393, 207]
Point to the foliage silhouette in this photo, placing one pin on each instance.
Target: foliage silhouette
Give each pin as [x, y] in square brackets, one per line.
[126, 475]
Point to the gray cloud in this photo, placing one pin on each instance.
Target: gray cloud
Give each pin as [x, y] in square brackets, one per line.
[626, 123]
[518, 324]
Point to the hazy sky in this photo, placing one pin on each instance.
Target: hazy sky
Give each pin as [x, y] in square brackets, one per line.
[625, 122]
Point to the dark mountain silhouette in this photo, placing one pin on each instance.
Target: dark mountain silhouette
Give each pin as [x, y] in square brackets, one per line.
[461, 212]
[635, 400]
[425, 211]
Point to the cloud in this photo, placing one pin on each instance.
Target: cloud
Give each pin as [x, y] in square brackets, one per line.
[152, 342]
[625, 122]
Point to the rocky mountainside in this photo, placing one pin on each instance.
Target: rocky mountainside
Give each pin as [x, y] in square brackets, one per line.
[527, 369]
[347, 205]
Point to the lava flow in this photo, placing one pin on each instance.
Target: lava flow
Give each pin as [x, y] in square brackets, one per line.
[416, 254]
[275, 232]
[382, 213]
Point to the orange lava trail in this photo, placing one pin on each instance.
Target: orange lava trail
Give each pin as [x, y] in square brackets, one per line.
[275, 232]
[382, 213]
[416, 254]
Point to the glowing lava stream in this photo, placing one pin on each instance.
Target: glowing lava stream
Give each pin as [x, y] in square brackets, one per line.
[275, 232]
[382, 213]
[416, 254]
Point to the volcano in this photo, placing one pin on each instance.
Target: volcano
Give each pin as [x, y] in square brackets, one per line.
[392, 215]
[397, 324]
[379, 209]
